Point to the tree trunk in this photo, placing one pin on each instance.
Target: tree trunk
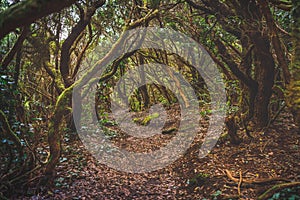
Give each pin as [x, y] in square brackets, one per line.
[54, 134]
[143, 89]
[265, 68]
[293, 95]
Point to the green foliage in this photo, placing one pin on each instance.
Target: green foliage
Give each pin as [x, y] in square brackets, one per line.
[199, 179]
[8, 104]
[104, 120]
[283, 18]
[135, 104]
[4, 5]
[104, 123]
[287, 193]
[205, 113]
[216, 194]
[11, 130]
[7, 95]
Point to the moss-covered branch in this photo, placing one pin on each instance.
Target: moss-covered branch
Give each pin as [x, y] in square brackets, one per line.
[54, 136]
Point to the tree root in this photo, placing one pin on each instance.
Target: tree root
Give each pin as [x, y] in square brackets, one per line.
[254, 181]
[240, 183]
[276, 188]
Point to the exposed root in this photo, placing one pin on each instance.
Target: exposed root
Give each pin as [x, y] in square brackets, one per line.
[276, 188]
[255, 181]
[240, 183]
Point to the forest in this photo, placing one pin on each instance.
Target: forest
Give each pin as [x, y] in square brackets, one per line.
[150, 99]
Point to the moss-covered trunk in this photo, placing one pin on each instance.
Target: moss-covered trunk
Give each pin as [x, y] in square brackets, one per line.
[54, 133]
[293, 95]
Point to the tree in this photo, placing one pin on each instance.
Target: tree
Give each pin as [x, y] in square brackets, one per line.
[251, 59]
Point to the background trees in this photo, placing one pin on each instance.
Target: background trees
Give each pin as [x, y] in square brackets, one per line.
[43, 44]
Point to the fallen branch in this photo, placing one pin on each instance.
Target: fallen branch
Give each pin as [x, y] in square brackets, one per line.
[276, 188]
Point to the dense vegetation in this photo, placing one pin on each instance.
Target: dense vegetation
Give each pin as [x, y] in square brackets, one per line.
[44, 45]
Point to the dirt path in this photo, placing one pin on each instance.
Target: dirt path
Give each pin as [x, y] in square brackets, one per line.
[272, 153]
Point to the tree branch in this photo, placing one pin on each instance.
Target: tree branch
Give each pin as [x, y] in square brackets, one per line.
[10, 55]
[26, 12]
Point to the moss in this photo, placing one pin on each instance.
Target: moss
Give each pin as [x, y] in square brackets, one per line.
[147, 119]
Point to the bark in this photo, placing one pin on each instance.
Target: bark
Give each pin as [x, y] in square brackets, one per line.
[26, 12]
[80, 57]
[249, 93]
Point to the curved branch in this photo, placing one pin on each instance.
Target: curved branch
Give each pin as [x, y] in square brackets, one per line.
[76, 31]
[248, 81]
[10, 55]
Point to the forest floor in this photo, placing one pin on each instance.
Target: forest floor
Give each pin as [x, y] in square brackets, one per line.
[274, 152]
